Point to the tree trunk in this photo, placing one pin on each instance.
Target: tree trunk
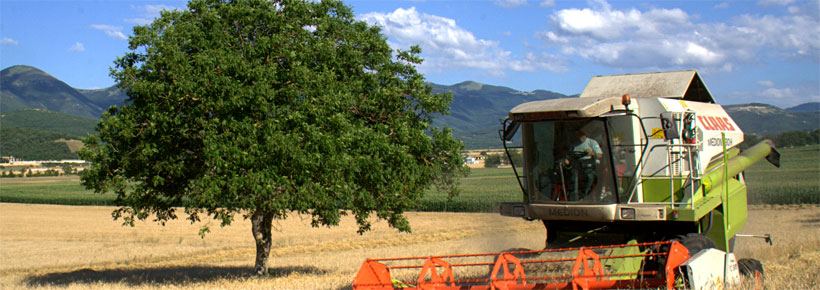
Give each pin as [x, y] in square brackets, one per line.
[261, 222]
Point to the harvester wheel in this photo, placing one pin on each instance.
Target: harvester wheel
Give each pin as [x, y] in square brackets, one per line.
[751, 268]
[695, 242]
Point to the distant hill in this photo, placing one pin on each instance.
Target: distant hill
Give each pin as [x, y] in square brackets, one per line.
[764, 119]
[48, 121]
[32, 144]
[477, 109]
[104, 98]
[28, 87]
[807, 108]
[474, 114]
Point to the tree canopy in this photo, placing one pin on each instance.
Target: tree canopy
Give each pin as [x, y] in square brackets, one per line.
[266, 108]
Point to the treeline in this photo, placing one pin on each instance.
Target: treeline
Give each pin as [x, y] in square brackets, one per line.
[30, 173]
[496, 160]
[785, 139]
[32, 144]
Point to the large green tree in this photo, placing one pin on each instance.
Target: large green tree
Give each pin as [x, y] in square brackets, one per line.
[264, 109]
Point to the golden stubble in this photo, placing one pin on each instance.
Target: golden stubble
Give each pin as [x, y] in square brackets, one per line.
[81, 247]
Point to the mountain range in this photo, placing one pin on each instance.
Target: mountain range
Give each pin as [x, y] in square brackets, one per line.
[477, 109]
[31, 98]
[28, 87]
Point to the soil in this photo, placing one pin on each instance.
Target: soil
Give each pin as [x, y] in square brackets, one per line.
[81, 247]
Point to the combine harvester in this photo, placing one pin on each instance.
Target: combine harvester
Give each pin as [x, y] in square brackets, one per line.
[639, 184]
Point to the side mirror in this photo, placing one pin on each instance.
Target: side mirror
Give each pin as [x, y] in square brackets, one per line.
[670, 129]
[774, 156]
[509, 130]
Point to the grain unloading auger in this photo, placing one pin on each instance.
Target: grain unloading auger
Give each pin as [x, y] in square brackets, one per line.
[641, 172]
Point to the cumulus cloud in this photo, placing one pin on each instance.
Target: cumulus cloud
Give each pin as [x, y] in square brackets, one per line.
[785, 93]
[547, 3]
[9, 41]
[774, 2]
[795, 35]
[780, 96]
[448, 46]
[765, 83]
[148, 13]
[139, 20]
[112, 31]
[77, 47]
[605, 24]
[670, 38]
[510, 3]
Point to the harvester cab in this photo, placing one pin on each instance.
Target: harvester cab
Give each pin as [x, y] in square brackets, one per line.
[638, 182]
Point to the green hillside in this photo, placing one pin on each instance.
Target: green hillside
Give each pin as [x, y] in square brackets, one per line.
[28, 87]
[477, 109]
[32, 144]
[48, 121]
[764, 119]
[104, 98]
[813, 107]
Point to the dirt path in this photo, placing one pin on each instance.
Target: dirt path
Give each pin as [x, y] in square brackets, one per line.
[82, 248]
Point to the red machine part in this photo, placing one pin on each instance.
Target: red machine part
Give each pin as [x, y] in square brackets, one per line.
[587, 271]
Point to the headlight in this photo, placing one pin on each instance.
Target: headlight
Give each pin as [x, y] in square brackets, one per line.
[627, 213]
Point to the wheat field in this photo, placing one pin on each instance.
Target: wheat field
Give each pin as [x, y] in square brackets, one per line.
[81, 247]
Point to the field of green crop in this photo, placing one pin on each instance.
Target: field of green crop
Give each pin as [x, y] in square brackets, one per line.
[50, 190]
[481, 191]
[796, 182]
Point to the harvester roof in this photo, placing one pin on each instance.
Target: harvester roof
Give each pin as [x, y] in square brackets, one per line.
[565, 108]
[685, 85]
[603, 94]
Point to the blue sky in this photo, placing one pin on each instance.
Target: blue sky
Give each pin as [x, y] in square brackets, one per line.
[746, 51]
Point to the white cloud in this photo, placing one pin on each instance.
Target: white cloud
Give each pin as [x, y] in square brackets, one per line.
[794, 35]
[670, 38]
[9, 41]
[552, 37]
[783, 97]
[544, 61]
[112, 31]
[786, 93]
[510, 3]
[547, 3]
[774, 2]
[603, 24]
[765, 83]
[148, 13]
[447, 46]
[139, 21]
[156, 9]
[722, 5]
[77, 47]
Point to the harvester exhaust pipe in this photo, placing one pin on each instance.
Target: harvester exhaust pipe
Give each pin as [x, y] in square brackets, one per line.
[764, 149]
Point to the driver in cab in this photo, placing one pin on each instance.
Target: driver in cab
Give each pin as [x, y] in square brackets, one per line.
[586, 154]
